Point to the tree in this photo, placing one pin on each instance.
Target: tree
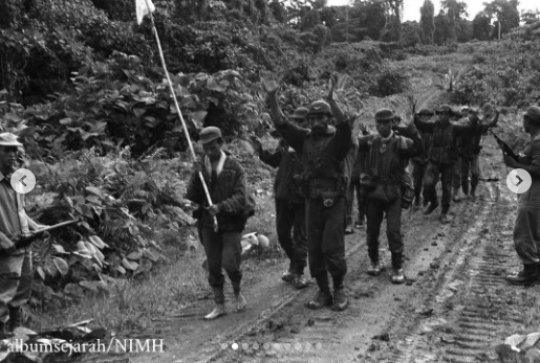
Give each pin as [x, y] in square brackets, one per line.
[442, 28]
[395, 6]
[482, 28]
[455, 9]
[506, 13]
[530, 16]
[427, 21]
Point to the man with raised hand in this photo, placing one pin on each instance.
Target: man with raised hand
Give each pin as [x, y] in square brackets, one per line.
[527, 225]
[469, 147]
[388, 156]
[289, 201]
[442, 155]
[323, 149]
[15, 258]
[226, 183]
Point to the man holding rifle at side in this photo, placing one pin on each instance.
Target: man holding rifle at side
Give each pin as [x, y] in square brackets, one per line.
[15, 237]
[527, 225]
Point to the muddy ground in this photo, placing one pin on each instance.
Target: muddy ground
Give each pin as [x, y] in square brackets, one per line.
[455, 306]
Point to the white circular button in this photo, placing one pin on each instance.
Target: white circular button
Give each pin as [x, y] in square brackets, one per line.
[519, 181]
[23, 181]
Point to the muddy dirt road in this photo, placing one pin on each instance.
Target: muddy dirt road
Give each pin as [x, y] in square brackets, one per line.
[455, 306]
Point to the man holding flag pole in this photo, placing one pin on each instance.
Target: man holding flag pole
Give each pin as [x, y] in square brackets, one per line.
[226, 178]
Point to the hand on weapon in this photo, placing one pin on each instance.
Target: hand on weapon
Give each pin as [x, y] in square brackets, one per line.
[507, 150]
[363, 128]
[270, 83]
[510, 161]
[26, 239]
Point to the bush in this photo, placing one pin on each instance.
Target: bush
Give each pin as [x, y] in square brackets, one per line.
[390, 82]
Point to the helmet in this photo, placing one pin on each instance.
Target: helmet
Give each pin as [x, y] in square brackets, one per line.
[319, 106]
[445, 108]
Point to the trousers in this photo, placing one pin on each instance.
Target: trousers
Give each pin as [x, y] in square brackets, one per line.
[326, 237]
[223, 250]
[291, 231]
[355, 186]
[445, 172]
[15, 282]
[375, 213]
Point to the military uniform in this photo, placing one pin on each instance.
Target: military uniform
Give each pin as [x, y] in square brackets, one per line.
[468, 146]
[16, 273]
[355, 186]
[324, 183]
[442, 154]
[527, 225]
[419, 164]
[290, 208]
[383, 179]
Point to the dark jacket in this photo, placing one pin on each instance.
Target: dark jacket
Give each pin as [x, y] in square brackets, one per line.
[386, 164]
[443, 144]
[287, 183]
[468, 144]
[228, 191]
[323, 157]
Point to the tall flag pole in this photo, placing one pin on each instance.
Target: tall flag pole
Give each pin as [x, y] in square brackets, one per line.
[142, 8]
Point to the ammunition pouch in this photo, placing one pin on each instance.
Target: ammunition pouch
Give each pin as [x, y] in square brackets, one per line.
[407, 195]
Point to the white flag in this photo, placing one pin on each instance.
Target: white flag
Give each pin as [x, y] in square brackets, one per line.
[143, 7]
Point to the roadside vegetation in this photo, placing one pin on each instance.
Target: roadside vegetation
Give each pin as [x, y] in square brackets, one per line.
[81, 84]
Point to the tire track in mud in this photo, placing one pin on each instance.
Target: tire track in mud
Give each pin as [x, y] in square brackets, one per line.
[471, 313]
[297, 334]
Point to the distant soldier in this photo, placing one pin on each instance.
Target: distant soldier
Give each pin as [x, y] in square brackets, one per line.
[469, 151]
[419, 163]
[355, 186]
[290, 205]
[388, 155]
[442, 156]
[324, 150]
[527, 225]
[227, 186]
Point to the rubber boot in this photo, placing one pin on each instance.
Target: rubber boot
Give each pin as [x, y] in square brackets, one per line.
[241, 301]
[528, 275]
[323, 297]
[340, 299]
[219, 309]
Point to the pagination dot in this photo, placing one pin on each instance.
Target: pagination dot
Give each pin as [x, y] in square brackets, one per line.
[318, 346]
[245, 346]
[224, 346]
[266, 346]
[298, 346]
[256, 346]
[234, 346]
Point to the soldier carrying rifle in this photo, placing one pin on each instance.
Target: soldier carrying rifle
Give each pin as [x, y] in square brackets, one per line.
[527, 225]
[15, 237]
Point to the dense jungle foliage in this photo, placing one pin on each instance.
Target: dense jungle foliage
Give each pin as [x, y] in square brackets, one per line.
[82, 84]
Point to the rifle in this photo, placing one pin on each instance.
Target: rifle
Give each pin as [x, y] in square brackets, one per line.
[507, 150]
[28, 239]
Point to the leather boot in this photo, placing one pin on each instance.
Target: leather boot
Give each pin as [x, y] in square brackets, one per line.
[241, 301]
[528, 275]
[323, 297]
[340, 299]
[15, 318]
[219, 309]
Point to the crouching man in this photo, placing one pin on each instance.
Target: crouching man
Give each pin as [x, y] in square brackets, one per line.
[388, 155]
[227, 187]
